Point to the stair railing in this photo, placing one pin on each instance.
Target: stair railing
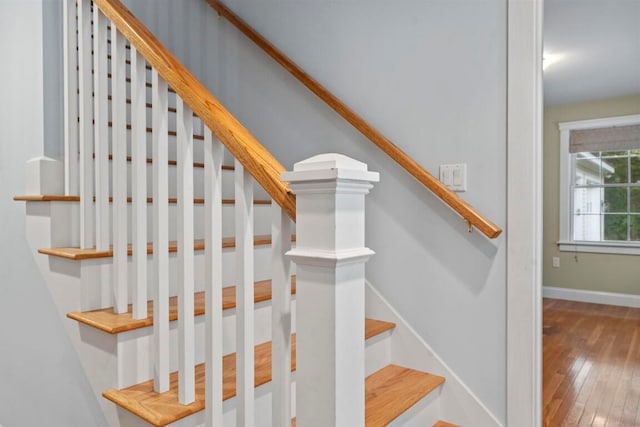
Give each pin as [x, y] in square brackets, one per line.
[455, 202]
[117, 57]
[114, 52]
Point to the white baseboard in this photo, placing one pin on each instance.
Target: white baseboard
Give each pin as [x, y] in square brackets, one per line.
[610, 298]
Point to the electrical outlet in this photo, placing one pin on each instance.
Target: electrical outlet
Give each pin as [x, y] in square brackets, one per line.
[556, 262]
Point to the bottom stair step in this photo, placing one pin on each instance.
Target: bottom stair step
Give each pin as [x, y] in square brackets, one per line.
[394, 389]
[161, 409]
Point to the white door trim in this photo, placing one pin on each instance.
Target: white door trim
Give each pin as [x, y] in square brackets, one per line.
[524, 212]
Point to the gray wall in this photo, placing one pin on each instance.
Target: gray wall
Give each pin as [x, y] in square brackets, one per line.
[41, 380]
[586, 271]
[431, 76]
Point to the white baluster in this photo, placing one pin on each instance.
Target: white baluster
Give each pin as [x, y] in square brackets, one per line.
[244, 297]
[101, 127]
[139, 181]
[281, 318]
[330, 257]
[70, 94]
[213, 156]
[119, 149]
[186, 323]
[160, 233]
[85, 106]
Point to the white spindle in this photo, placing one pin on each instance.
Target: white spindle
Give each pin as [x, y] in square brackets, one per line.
[160, 173]
[244, 297]
[70, 94]
[139, 181]
[119, 148]
[186, 322]
[281, 318]
[101, 127]
[213, 156]
[85, 106]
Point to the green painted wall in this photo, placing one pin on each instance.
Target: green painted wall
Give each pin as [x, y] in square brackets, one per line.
[594, 272]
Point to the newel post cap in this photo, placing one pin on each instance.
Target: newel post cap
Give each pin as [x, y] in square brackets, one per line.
[330, 166]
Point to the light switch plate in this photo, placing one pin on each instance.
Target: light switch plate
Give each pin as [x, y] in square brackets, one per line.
[454, 176]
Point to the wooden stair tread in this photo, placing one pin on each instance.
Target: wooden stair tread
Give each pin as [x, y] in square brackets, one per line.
[46, 198]
[444, 424]
[172, 200]
[161, 409]
[394, 389]
[108, 321]
[76, 254]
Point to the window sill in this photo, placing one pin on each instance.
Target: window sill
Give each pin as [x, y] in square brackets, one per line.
[600, 248]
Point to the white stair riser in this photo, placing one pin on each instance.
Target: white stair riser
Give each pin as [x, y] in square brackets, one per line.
[262, 411]
[261, 222]
[135, 352]
[96, 275]
[198, 151]
[198, 183]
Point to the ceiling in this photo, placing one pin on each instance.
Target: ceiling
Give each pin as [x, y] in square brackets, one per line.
[597, 43]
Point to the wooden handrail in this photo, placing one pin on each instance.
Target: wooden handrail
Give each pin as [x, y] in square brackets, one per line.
[258, 161]
[471, 215]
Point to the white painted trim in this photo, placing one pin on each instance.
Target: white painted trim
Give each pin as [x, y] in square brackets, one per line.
[596, 297]
[524, 213]
[458, 404]
[604, 122]
[566, 179]
[600, 248]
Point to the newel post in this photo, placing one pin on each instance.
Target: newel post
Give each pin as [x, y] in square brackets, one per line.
[330, 257]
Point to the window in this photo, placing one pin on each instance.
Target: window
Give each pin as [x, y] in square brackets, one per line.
[600, 185]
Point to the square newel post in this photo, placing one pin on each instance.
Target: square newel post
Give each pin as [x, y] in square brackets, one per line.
[330, 257]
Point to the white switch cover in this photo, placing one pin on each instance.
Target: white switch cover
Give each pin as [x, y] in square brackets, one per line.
[454, 176]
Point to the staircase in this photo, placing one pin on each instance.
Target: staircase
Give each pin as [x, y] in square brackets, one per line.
[175, 272]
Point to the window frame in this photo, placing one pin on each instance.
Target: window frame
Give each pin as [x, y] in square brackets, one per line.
[567, 173]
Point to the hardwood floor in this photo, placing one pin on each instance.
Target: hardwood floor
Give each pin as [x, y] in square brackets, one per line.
[591, 364]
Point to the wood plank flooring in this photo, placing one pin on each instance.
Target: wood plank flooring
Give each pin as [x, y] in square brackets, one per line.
[591, 364]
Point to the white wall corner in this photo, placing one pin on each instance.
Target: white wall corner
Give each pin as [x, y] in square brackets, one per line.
[458, 404]
[44, 175]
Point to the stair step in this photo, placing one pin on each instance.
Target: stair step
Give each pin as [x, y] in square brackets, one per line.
[171, 200]
[175, 163]
[380, 383]
[77, 254]
[170, 133]
[161, 409]
[147, 104]
[394, 389]
[108, 321]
